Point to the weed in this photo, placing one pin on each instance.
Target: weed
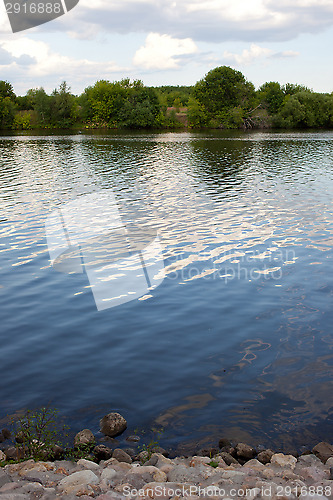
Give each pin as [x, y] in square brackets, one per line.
[37, 433]
[153, 445]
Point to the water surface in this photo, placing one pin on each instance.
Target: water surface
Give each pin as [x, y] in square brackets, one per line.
[236, 341]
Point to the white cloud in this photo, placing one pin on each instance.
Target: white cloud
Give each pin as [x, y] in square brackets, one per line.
[52, 63]
[206, 20]
[285, 53]
[31, 62]
[248, 55]
[163, 52]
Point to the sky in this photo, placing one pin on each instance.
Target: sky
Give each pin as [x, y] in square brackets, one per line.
[166, 42]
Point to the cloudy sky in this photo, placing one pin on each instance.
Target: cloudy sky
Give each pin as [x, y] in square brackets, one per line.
[172, 42]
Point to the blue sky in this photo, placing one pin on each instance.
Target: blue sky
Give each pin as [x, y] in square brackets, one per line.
[173, 42]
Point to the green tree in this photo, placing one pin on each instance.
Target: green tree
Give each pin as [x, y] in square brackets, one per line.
[224, 88]
[196, 114]
[64, 105]
[271, 96]
[123, 103]
[291, 89]
[6, 90]
[7, 112]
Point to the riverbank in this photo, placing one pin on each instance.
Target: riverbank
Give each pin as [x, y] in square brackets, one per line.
[284, 476]
[146, 472]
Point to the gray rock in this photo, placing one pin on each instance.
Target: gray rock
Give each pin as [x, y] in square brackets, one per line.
[15, 496]
[108, 474]
[331, 473]
[13, 453]
[130, 451]
[4, 478]
[139, 476]
[245, 452]
[282, 460]
[80, 478]
[323, 451]
[2, 456]
[227, 458]
[88, 464]
[102, 452]
[309, 460]
[265, 456]
[113, 424]
[121, 456]
[84, 438]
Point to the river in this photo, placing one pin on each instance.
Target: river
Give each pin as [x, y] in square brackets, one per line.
[228, 333]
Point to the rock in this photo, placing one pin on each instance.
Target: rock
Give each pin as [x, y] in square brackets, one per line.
[84, 438]
[15, 496]
[121, 456]
[254, 464]
[131, 452]
[245, 452]
[143, 456]
[284, 460]
[20, 437]
[13, 453]
[229, 449]
[329, 462]
[224, 442]
[102, 452]
[57, 452]
[108, 475]
[207, 452]
[227, 458]
[80, 478]
[323, 451]
[331, 473]
[133, 439]
[265, 456]
[139, 476]
[4, 478]
[6, 434]
[309, 461]
[2, 456]
[88, 464]
[113, 424]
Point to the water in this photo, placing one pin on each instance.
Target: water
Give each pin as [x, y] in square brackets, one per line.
[237, 339]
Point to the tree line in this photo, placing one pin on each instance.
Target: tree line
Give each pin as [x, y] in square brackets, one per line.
[224, 99]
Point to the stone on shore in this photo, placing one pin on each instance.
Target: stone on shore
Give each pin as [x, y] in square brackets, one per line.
[113, 424]
[245, 452]
[84, 438]
[121, 456]
[78, 481]
[284, 460]
[102, 452]
[265, 456]
[323, 451]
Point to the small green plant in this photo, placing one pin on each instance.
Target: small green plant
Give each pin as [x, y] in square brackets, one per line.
[37, 433]
[213, 463]
[153, 445]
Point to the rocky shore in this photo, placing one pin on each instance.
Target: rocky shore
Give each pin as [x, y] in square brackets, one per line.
[231, 471]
